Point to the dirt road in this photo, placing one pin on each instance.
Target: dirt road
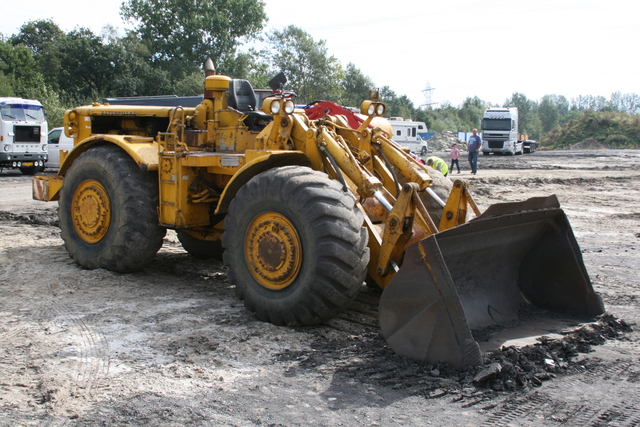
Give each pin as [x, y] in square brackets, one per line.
[172, 346]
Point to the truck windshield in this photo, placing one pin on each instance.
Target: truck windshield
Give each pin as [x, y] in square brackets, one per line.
[22, 112]
[496, 124]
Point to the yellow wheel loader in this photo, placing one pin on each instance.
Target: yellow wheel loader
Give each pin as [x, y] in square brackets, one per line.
[303, 211]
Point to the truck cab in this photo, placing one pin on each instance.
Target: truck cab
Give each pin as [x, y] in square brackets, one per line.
[500, 131]
[23, 135]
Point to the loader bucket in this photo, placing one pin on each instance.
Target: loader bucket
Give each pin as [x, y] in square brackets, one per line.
[482, 274]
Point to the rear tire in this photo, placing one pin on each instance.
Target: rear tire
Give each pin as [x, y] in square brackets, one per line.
[107, 211]
[423, 152]
[295, 246]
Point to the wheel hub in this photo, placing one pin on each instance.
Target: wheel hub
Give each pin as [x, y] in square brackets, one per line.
[91, 210]
[273, 250]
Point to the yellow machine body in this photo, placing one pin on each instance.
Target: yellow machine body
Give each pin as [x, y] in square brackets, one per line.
[203, 156]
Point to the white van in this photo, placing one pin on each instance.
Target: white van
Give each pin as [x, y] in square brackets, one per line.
[57, 141]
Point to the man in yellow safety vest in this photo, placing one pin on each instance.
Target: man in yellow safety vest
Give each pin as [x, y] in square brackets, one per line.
[438, 164]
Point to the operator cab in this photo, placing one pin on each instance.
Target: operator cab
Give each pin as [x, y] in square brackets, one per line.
[242, 98]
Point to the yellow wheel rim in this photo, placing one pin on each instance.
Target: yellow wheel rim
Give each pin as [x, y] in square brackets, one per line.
[273, 250]
[91, 210]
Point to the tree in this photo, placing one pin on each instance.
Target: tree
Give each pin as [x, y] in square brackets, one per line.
[19, 71]
[355, 86]
[182, 34]
[525, 112]
[397, 106]
[625, 103]
[548, 113]
[311, 73]
[39, 36]
[43, 38]
[589, 102]
[250, 66]
[471, 112]
[445, 118]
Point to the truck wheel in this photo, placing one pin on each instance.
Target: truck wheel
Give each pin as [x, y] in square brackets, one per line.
[295, 246]
[423, 152]
[107, 211]
[201, 249]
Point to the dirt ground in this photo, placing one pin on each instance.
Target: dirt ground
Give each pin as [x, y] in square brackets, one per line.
[171, 345]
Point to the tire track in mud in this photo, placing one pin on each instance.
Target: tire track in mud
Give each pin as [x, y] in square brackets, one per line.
[544, 409]
[622, 414]
[619, 371]
[88, 345]
[57, 354]
[517, 409]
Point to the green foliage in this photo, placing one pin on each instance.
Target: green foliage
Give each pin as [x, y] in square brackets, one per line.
[42, 37]
[355, 86]
[5, 86]
[525, 113]
[182, 34]
[172, 38]
[250, 66]
[20, 71]
[613, 129]
[396, 106]
[471, 113]
[311, 73]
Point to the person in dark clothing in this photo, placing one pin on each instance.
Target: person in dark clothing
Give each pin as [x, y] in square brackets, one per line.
[475, 144]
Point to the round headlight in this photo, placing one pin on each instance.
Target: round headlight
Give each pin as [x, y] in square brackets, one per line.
[380, 109]
[44, 147]
[371, 110]
[275, 107]
[289, 106]
[7, 148]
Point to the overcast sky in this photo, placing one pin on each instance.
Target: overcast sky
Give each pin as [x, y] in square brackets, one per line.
[460, 48]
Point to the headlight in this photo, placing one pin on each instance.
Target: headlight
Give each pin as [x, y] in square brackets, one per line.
[372, 108]
[271, 106]
[289, 106]
[275, 107]
[44, 147]
[7, 148]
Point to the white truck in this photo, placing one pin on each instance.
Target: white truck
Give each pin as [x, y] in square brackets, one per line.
[23, 135]
[406, 133]
[500, 131]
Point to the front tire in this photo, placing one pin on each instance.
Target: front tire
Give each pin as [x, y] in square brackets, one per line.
[295, 246]
[107, 211]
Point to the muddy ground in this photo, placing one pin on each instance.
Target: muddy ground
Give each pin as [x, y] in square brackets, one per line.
[171, 345]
